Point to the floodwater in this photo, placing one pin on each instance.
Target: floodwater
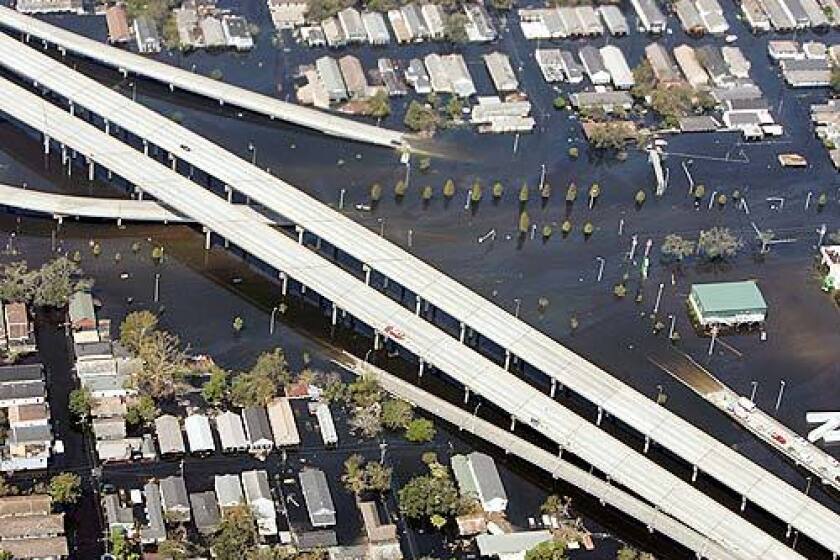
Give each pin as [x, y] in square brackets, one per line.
[200, 292]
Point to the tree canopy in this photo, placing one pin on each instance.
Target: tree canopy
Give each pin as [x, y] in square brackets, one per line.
[548, 550]
[65, 488]
[237, 535]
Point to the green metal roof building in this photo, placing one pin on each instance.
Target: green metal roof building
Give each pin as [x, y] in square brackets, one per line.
[728, 304]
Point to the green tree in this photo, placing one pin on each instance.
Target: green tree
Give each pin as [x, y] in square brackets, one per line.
[80, 403]
[560, 103]
[375, 192]
[571, 193]
[524, 223]
[449, 188]
[588, 229]
[365, 391]
[627, 553]
[721, 200]
[17, 283]
[400, 188]
[454, 28]
[425, 495]
[566, 227]
[134, 329]
[65, 488]
[498, 190]
[236, 536]
[524, 193]
[547, 230]
[173, 549]
[545, 191]
[353, 477]
[252, 389]
[475, 192]
[835, 78]
[238, 324]
[454, 107]
[216, 388]
[420, 430]
[718, 243]
[427, 193]
[378, 105]
[164, 365]
[548, 550]
[6, 555]
[699, 192]
[419, 118]
[141, 412]
[396, 413]
[121, 547]
[273, 365]
[56, 283]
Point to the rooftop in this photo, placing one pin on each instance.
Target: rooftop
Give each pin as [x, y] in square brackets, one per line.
[729, 296]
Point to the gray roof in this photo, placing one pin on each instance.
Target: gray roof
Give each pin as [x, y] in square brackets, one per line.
[689, 16]
[711, 59]
[321, 538]
[486, 477]
[18, 373]
[592, 60]
[26, 390]
[257, 426]
[168, 431]
[510, 543]
[228, 489]
[319, 502]
[173, 493]
[330, 74]
[115, 512]
[231, 432]
[573, 69]
[377, 31]
[87, 349]
[205, 511]
[601, 99]
[650, 14]
[102, 383]
[756, 104]
[155, 529]
[615, 20]
[703, 123]
[39, 433]
[80, 309]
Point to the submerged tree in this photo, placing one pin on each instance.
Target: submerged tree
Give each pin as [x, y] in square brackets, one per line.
[718, 243]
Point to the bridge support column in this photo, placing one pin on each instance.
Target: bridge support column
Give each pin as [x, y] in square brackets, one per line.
[376, 340]
[139, 194]
[694, 473]
[421, 368]
[91, 169]
[507, 360]
[743, 503]
[463, 332]
[300, 231]
[367, 270]
[46, 145]
[560, 452]
[419, 300]
[107, 127]
[229, 192]
[334, 315]
[146, 148]
[171, 87]
[512, 423]
[789, 531]
[600, 416]
[207, 234]
[174, 161]
[119, 222]
[63, 154]
[647, 443]
[59, 219]
[466, 395]
[284, 290]
[553, 387]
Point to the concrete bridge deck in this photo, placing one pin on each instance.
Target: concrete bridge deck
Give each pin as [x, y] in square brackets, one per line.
[619, 462]
[610, 395]
[235, 96]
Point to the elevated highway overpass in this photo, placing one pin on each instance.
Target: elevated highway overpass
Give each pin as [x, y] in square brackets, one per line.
[127, 62]
[609, 395]
[622, 465]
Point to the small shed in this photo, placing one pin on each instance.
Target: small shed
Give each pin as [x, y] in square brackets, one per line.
[727, 304]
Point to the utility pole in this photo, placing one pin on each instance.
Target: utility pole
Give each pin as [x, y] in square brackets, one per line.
[410, 237]
[518, 302]
[754, 389]
[542, 177]
[157, 287]
[821, 231]
[341, 198]
[808, 200]
[621, 227]
[712, 343]
[673, 324]
[781, 392]
[658, 298]
[633, 243]
[601, 261]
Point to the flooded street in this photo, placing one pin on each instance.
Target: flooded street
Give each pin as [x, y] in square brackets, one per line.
[201, 292]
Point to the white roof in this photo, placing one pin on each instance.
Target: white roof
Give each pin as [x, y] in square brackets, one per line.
[228, 490]
[199, 433]
[258, 493]
[617, 66]
[325, 422]
[231, 432]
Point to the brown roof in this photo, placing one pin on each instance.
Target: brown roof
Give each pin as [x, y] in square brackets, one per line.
[117, 20]
[28, 413]
[376, 531]
[38, 504]
[17, 320]
[472, 524]
[32, 526]
[23, 549]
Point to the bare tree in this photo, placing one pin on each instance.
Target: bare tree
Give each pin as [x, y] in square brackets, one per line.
[718, 243]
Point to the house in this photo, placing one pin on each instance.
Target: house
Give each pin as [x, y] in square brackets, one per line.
[738, 64]
[154, 531]
[109, 428]
[710, 58]
[550, 63]
[375, 28]
[169, 436]
[571, 68]
[93, 351]
[589, 21]
[81, 312]
[231, 432]
[417, 77]
[29, 530]
[118, 450]
[609, 101]
[213, 32]
[237, 34]
[28, 415]
[18, 328]
[830, 261]
[352, 25]
[146, 35]
[173, 495]
[784, 50]
[199, 434]
[501, 72]
[400, 27]
[49, 6]
[117, 20]
[711, 13]
[592, 62]
[205, 512]
[689, 17]
[316, 493]
[438, 77]
[189, 32]
[333, 33]
[28, 447]
[479, 28]
[434, 17]
[325, 422]
[614, 19]
[117, 515]
[510, 546]
[109, 407]
[616, 65]
[257, 428]
[651, 18]
[108, 385]
[22, 385]
[330, 74]
[664, 69]
[258, 497]
[377, 532]
[459, 75]
[727, 304]
[392, 81]
[282, 421]
[806, 73]
[287, 15]
[354, 76]
[780, 15]
[755, 15]
[228, 491]
[690, 66]
[571, 22]
[415, 22]
[477, 475]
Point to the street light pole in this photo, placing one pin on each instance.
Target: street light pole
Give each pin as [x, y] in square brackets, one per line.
[157, 287]
[601, 262]
[341, 199]
[518, 302]
[542, 177]
[658, 298]
[673, 323]
[253, 149]
[754, 389]
[781, 392]
[271, 324]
